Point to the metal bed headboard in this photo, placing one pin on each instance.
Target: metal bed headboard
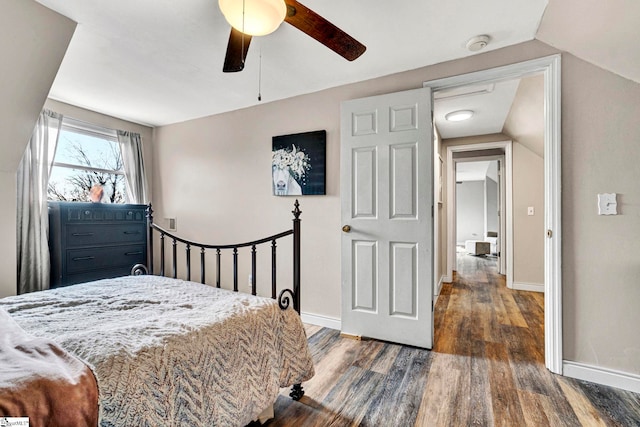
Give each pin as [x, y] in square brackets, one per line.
[284, 296]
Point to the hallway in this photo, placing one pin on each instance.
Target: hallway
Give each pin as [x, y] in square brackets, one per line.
[478, 308]
[500, 334]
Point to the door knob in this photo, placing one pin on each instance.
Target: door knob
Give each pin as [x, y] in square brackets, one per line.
[346, 228]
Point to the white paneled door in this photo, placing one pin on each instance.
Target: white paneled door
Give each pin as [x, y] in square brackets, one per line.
[387, 217]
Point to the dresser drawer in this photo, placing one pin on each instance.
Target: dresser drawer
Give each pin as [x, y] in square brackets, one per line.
[90, 234]
[102, 212]
[81, 260]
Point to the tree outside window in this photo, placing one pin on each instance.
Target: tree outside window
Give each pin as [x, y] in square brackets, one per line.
[82, 160]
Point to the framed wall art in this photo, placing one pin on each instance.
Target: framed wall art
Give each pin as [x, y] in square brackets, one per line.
[298, 164]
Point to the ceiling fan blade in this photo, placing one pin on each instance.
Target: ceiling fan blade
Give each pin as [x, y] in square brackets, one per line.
[237, 49]
[322, 30]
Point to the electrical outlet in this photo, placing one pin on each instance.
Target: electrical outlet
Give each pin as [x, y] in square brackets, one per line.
[170, 224]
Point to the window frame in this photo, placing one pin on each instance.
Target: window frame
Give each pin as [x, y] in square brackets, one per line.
[76, 126]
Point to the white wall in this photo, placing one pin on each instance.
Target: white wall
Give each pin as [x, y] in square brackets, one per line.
[601, 261]
[528, 231]
[470, 209]
[525, 125]
[525, 121]
[33, 43]
[214, 176]
[491, 203]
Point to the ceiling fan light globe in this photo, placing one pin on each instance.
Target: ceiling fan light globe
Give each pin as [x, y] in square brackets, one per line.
[260, 17]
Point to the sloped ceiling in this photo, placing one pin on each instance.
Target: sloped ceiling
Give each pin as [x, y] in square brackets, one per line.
[525, 122]
[605, 33]
[160, 61]
[157, 62]
[33, 44]
[490, 104]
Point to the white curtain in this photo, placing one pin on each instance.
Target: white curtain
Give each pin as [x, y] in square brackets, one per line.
[33, 218]
[135, 178]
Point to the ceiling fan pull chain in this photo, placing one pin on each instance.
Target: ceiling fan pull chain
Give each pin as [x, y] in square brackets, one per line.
[260, 76]
[243, 10]
[242, 58]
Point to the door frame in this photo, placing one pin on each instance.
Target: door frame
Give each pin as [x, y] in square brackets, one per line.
[506, 203]
[549, 67]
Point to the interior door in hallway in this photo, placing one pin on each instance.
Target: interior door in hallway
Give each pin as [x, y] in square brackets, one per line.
[387, 217]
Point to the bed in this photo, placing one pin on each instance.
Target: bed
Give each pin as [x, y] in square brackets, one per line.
[149, 350]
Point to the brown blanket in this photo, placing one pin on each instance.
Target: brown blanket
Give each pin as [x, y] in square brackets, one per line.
[40, 380]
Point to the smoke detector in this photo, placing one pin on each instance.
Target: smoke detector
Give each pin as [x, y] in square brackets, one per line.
[478, 43]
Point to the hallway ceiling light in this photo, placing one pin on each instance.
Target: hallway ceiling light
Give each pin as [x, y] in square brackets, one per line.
[458, 116]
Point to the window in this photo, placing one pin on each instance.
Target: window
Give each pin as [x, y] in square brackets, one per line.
[86, 156]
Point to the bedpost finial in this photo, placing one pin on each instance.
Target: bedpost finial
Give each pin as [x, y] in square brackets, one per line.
[296, 210]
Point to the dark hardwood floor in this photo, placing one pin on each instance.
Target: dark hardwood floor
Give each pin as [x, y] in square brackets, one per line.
[486, 368]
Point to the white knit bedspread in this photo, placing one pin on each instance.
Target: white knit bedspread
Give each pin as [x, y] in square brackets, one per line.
[167, 352]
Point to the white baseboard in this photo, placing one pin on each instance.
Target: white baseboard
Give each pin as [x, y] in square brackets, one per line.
[325, 322]
[534, 287]
[439, 286]
[598, 375]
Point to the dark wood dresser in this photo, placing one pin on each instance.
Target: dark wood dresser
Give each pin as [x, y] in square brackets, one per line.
[90, 241]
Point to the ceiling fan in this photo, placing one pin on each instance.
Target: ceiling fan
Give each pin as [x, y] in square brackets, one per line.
[260, 17]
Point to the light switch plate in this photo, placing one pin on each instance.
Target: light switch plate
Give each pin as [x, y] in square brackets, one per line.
[607, 204]
[530, 211]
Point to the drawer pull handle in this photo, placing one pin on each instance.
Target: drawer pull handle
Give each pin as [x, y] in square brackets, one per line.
[133, 253]
[82, 234]
[131, 232]
[84, 258]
